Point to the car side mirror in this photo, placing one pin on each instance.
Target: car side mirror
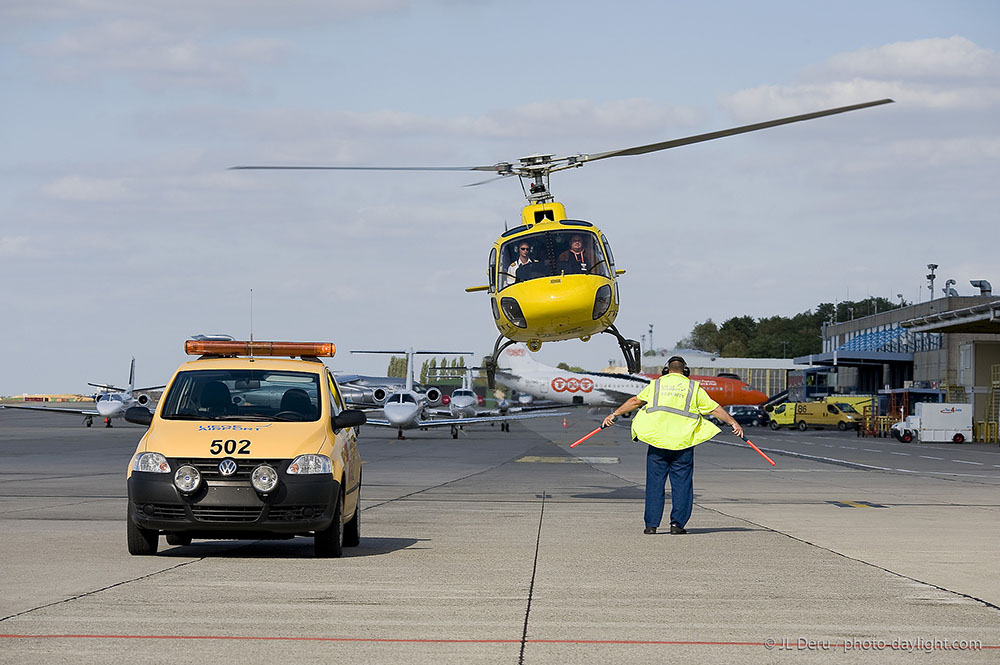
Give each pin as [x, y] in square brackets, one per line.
[349, 418]
[139, 415]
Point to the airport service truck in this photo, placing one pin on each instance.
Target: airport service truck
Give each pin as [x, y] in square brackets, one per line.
[934, 422]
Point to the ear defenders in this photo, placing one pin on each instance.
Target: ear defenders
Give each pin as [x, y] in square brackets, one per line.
[671, 359]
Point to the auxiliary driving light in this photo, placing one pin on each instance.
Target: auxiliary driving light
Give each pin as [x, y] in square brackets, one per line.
[187, 479]
[264, 478]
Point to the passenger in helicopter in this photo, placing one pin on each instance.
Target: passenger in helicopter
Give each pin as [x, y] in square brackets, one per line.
[579, 258]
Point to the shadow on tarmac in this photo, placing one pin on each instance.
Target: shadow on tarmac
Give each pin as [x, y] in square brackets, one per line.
[294, 548]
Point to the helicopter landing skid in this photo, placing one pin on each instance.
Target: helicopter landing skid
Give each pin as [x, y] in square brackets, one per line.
[630, 349]
[490, 362]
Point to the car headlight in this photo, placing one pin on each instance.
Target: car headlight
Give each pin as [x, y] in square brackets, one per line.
[513, 312]
[602, 301]
[264, 478]
[150, 463]
[310, 464]
[187, 479]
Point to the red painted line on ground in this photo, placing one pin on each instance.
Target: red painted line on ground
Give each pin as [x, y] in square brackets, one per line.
[404, 640]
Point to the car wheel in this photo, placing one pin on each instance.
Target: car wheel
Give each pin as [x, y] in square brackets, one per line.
[329, 543]
[774, 426]
[352, 530]
[906, 437]
[802, 426]
[141, 542]
[958, 438]
[842, 426]
[178, 539]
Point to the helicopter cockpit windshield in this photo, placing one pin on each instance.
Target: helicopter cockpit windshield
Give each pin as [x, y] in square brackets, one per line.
[550, 254]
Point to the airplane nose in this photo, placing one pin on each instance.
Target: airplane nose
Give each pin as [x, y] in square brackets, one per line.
[109, 409]
[399, 414]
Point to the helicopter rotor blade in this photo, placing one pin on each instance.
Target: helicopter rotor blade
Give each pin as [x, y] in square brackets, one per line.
[497, 178]
[498, 168]
[674, 143]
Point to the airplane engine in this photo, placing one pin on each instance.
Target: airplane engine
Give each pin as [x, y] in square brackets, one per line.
[379, 395]
[433, 396]
[143, 400]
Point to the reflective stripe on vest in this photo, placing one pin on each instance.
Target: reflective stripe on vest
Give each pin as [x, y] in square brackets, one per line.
[687, 413]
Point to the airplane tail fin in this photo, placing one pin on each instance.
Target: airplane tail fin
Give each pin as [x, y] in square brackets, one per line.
[517, 357]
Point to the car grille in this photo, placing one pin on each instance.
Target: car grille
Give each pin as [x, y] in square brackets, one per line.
[294, 513]
[225, 513]
[161, 511]
[209, 467]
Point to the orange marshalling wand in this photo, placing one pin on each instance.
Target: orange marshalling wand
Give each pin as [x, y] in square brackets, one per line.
[758, 450]
[748, 441]
[574, 445]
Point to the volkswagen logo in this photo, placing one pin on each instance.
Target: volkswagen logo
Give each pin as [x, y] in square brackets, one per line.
[227, 467]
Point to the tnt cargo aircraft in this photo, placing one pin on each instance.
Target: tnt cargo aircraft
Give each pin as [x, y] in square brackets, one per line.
[518, 370]
[111, 403]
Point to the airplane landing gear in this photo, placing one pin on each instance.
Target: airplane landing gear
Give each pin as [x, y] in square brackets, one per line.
[107, 422]
[490, 362]
[504, 427]
[88, 421]
[630, 349]
[399, 435]
[454, 432]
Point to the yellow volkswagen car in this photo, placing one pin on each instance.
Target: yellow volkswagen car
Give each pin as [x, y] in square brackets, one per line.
[250, 440]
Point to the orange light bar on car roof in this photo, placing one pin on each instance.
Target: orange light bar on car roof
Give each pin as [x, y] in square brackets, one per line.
[194, 347]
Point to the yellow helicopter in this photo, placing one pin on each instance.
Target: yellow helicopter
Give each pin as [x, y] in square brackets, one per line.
[553, 278]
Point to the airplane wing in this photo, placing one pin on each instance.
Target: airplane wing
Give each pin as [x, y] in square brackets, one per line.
[448, 422]
[445, 422]
[140, 390]
[31, 407]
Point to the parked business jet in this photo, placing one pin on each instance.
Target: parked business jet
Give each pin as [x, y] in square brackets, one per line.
[407, 409]
[518, 370]
[110, 403]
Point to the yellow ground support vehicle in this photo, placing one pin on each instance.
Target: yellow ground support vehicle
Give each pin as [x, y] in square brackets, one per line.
[247, 444]
[804, 415]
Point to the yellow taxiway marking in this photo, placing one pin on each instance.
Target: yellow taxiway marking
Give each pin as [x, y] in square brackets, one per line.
[569, 460]
[856, 504]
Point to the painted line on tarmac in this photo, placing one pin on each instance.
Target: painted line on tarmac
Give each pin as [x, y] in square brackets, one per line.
[414, 640]
[568, 460]
[962, 461]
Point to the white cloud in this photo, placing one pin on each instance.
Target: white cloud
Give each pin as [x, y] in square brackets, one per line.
[950, 58]
[87, 190]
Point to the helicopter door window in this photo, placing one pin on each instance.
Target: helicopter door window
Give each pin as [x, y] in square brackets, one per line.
[491, 271]
[607, 252]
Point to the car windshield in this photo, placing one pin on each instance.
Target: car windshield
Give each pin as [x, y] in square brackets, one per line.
[238, 394]
[550, 254]
[846, 408]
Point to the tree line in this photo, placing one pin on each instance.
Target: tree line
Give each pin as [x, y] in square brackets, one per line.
[779, 336]
[429, 368]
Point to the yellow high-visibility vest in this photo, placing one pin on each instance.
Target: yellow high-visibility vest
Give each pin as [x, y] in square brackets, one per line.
[672, 417]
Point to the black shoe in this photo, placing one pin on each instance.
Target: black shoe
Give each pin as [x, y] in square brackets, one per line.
[677, 529]
[649, 529]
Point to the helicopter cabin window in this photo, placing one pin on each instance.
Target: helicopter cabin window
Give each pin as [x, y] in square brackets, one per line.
[551, 254]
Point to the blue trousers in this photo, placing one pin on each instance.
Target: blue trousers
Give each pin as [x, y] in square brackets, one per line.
[679, 466]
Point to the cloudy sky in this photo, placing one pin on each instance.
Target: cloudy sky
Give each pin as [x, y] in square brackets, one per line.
[123, 232]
